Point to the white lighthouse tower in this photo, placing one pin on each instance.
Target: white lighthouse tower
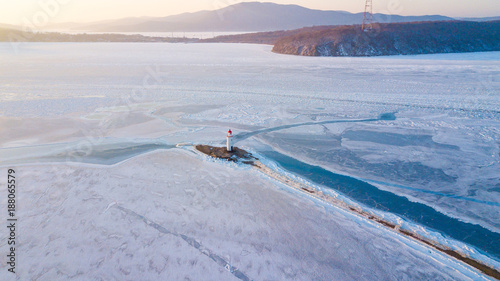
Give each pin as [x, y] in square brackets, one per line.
[230, 141]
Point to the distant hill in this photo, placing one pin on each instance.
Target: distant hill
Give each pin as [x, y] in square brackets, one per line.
[394, 39]
[246, 16]
[14, 35]
[479, 19]
[8, 26]
[241, 17]
[268, 37]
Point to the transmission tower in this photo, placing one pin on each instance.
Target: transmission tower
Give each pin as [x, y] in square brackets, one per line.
[368, 16]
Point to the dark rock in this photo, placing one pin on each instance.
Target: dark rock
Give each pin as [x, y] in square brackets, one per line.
[222, 153]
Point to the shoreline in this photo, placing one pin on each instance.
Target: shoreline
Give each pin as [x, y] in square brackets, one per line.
[248, 159]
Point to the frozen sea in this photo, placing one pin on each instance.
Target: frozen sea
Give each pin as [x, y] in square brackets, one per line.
[414, 139]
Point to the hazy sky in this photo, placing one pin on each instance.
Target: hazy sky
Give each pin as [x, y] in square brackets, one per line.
[14, 11]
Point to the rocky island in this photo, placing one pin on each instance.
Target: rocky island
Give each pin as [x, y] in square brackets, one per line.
[222, 153]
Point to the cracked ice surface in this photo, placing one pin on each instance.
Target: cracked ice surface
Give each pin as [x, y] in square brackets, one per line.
[146, 218]
[56, 99]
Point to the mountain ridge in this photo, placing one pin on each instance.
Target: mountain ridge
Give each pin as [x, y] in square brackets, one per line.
[245, 17]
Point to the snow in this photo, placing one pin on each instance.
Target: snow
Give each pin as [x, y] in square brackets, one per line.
[88, 221]
[57, 98]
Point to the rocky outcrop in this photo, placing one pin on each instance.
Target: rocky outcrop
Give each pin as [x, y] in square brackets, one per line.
[236, 155]
[395, 39]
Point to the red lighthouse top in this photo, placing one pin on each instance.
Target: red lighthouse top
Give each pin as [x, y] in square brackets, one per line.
[230, 132]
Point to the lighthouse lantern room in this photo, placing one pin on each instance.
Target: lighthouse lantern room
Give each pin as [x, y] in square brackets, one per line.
[230, 146]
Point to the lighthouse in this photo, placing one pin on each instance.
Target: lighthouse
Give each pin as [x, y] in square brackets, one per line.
[230, 141]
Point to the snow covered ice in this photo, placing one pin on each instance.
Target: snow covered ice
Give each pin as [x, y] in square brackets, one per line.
[68, 108]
